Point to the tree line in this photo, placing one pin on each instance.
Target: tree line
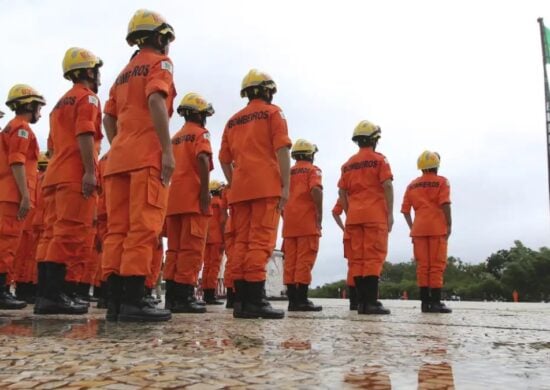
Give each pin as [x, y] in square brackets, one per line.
[519, 268]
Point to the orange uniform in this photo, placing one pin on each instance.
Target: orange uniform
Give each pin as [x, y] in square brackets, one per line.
[300, 229]
[186, 226]
[69, 216]
[156, 265]
[367, 215]
[18, 146]
[426, 194]
[135, 197]
[338, 209]
[229, 240]
[214, 246]
[250, 141]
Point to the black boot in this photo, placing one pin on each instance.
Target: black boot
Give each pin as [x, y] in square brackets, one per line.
[134, 308]
[291, 294]
[7, 300]
[83, 292]
[229, 294]
[210, 297]
[114, 289]
[169, 294]
[238, 298]
[71, 290]
[184, 300]
[361, 293]
[149, 297]
[352, 293]
[21, 291]
[255, 306]
[436, 305]
[42, 271]
[425, 299]
[54, 300]
[372, 305]
[302, 303]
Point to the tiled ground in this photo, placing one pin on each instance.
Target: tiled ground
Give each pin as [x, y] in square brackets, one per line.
[479, 346]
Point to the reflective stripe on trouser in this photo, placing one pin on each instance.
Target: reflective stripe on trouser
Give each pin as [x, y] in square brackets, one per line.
[136, 206]
[255, 223]
[72, 228]
[10, 234]
[212, 262]
[152, 278]
[369, 247]
[300, 255]
[187, 239]
[431, 260]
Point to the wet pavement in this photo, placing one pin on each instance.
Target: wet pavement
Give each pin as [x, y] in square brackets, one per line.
[478, 346]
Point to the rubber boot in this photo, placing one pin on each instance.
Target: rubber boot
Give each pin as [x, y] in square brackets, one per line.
[7, 300]
[101, 295]
[436, 305]
[134, 308]
[291, 294]
[42, 273]
[360, 290]
[352, 293]
[302, 303]
[168, 294]
[184, 300]
[113, 295]
[31, 298]
[425, 299]
[255, 306]
[210, 297]
[54, 300]
[21, 291]
[229, 295]
[372, 305]
[83, 292]
[71, 290]
[239, 298]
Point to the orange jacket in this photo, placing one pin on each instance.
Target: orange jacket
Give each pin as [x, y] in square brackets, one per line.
[136, 144]
[77, 112]
[426, 194]
[300, 214]
[215, 235]
[250, 141]
[18, 145]
[362, 177]
[188, 143]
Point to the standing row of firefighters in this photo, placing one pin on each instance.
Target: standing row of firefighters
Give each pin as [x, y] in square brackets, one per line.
[149, 180]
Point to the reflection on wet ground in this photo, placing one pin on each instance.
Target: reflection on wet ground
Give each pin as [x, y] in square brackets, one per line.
[480, 345]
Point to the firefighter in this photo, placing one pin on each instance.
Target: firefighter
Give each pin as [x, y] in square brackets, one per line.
[214, 245]
[302, 224]
[430, 197]
[189, 203]
[366, 193]
[255, 160]
[139, 167]
[69, 188]
[18, 176]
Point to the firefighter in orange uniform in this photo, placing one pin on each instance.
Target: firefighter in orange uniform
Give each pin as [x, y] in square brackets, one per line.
[214, 246]
[255, 160]
[229, 241]
[366, 193]
[337, 212]
[18, 176]
[189, 203]
[302, 226]
[69, 188]
[430, 197]
[139, 167]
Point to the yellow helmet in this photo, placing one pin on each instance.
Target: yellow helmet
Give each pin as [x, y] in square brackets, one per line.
[428, 160]
[145, 21]
[302, 146]
[78, 58]
[21, 94]
[43, 159]
[215, 185]
[367, 129]
[256, 78]
[195, 102]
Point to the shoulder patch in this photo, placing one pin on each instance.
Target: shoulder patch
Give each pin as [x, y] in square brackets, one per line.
[93, 100]
[166, 65]
[22, 133]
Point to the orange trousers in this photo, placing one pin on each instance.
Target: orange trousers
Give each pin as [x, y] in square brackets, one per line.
[229, 241]
[300, 255]
[156, 265]
[431, 260]
[136, 205]
[369, 247]
[213, 255]
[347, 250]
[255, 223]
[24, 261]
[186, 242]
[91, 263]
[101, 229]
[10, 234]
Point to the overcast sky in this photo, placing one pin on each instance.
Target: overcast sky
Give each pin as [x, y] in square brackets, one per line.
[462, 78]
